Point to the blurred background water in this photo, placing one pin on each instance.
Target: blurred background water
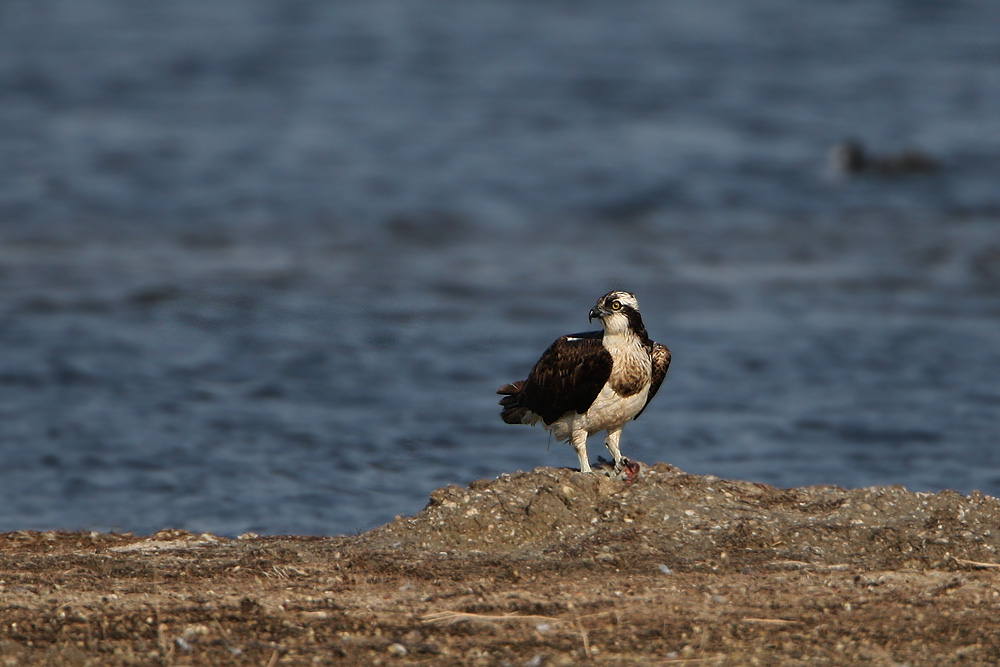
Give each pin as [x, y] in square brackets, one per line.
[263, 264]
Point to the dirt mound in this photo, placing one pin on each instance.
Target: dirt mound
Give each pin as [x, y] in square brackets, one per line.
[543, 568]
[690, 522]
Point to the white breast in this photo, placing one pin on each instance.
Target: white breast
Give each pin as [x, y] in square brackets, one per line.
[610, 410]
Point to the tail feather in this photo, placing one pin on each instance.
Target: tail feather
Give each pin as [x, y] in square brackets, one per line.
[511, 388]
[513, 412]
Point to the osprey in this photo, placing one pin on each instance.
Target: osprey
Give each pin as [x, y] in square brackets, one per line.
[593, 381]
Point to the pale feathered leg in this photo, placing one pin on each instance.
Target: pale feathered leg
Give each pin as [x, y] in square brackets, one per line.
[611, 442]
[579, 442]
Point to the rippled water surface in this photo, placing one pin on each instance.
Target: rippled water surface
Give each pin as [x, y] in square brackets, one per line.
[264, 264]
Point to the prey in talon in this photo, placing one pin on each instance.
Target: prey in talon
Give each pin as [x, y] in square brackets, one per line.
[628, 472]
[595, 381]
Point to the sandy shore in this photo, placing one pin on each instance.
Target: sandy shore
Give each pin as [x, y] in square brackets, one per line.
[543, 568]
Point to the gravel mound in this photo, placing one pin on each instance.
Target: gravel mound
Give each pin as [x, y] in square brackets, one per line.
[698, 522]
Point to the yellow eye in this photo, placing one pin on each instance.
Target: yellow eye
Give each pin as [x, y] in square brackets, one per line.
[616, 305]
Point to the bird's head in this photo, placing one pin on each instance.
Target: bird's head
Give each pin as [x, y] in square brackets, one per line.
[848, 157]
[618, 312]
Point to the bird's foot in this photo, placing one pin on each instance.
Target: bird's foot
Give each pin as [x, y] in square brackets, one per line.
[624, 469]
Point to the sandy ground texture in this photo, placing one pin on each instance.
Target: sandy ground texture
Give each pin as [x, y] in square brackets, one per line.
[549, 567]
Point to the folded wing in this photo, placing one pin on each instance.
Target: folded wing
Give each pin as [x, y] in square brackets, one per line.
[568, 377]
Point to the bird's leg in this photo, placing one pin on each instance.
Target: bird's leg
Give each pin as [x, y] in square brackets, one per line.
[611, 442]
[579, 441]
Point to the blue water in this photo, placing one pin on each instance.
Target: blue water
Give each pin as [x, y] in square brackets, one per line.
[263, 264]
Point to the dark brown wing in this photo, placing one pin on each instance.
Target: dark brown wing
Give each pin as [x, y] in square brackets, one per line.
[661, 362]
[569, 376]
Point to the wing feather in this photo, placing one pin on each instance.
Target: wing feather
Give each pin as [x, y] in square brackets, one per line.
[568, 376]
[660, 356]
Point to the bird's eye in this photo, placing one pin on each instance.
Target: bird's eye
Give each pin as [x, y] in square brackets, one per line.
[616, 305]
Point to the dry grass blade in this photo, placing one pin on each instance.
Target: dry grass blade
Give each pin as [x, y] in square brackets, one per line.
[802, 565]
[585, 638]
[774, 622]
[976, 564]
[451, 617]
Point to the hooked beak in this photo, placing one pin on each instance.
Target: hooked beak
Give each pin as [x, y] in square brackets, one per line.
[597, 312]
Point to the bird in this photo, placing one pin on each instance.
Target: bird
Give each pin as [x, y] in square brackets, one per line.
[850, 157]
[594, 381]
